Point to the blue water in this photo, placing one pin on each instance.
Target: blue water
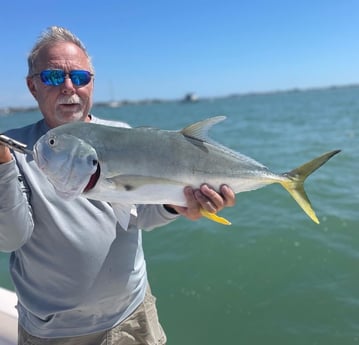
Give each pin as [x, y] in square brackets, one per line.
[273, 277]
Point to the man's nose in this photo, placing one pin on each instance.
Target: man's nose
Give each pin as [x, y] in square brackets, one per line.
[68, 86]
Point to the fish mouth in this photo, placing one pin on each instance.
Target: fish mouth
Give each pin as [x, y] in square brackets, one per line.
[93, 179]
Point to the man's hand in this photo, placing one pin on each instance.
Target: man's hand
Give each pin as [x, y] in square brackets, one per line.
[5, 155]
[206, 198]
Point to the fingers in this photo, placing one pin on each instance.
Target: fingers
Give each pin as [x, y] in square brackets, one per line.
[205, 198]
[5, 155]
[213, 201]
[193, 206]
[228, 196]
[192, 209]
[208, 199]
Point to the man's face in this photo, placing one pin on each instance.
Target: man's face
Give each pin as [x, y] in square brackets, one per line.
[66, 102]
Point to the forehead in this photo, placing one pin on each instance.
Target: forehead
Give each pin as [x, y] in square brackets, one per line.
[64, 55]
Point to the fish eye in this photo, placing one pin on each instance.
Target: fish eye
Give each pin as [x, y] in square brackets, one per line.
[52, 141]
[94, 162]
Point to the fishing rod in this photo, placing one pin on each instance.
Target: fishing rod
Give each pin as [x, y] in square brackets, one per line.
[14, 144]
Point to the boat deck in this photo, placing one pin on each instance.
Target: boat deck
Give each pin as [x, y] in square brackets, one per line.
[8, 317]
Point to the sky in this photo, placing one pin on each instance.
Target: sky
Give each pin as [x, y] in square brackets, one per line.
[144, 49]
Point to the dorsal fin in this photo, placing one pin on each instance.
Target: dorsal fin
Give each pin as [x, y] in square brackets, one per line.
[199, 130]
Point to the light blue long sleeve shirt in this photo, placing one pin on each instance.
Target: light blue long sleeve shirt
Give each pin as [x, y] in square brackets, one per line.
[75, 270]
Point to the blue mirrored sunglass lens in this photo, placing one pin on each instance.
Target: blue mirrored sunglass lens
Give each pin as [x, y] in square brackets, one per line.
[79, 77]
[53, 77]
[56, 77]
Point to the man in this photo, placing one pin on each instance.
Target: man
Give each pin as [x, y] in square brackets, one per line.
[80, 278]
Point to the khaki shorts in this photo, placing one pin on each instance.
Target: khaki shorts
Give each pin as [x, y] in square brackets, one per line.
[140, 328]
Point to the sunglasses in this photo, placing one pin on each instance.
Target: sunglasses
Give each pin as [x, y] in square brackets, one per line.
[55, 77]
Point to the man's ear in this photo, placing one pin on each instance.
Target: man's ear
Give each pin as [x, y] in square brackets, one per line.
[31, 86]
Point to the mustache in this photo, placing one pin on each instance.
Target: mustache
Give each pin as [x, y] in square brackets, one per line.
[74, 99]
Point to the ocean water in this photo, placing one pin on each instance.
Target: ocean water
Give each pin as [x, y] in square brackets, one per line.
[273, 277]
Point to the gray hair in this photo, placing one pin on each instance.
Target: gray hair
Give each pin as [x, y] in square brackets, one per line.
[54, 34]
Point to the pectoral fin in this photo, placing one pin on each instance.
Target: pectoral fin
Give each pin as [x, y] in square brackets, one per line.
[123, 213]
[214, 217]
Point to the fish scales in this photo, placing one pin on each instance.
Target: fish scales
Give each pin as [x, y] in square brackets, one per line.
[147, 165]
[169, 155]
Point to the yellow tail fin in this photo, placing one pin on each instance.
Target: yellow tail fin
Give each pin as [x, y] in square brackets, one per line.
[294, 183]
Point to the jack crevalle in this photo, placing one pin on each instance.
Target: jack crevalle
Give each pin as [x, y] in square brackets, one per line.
[127, 166]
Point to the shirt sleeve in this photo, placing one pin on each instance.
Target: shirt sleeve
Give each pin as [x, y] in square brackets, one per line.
[16, 223]
[153, 216]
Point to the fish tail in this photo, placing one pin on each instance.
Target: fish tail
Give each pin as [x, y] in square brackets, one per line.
[294, 182]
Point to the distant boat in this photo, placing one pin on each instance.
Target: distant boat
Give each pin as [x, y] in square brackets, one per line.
[8, 317]
[114, 104]
[190, 97]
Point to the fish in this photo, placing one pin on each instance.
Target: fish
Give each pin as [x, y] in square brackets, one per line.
[145, 165]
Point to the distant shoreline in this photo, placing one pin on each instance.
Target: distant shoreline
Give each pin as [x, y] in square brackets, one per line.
[115, 104]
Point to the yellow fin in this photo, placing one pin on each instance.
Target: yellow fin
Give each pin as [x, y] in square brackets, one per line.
[214, 217]
[296, 190]
[294, 182]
